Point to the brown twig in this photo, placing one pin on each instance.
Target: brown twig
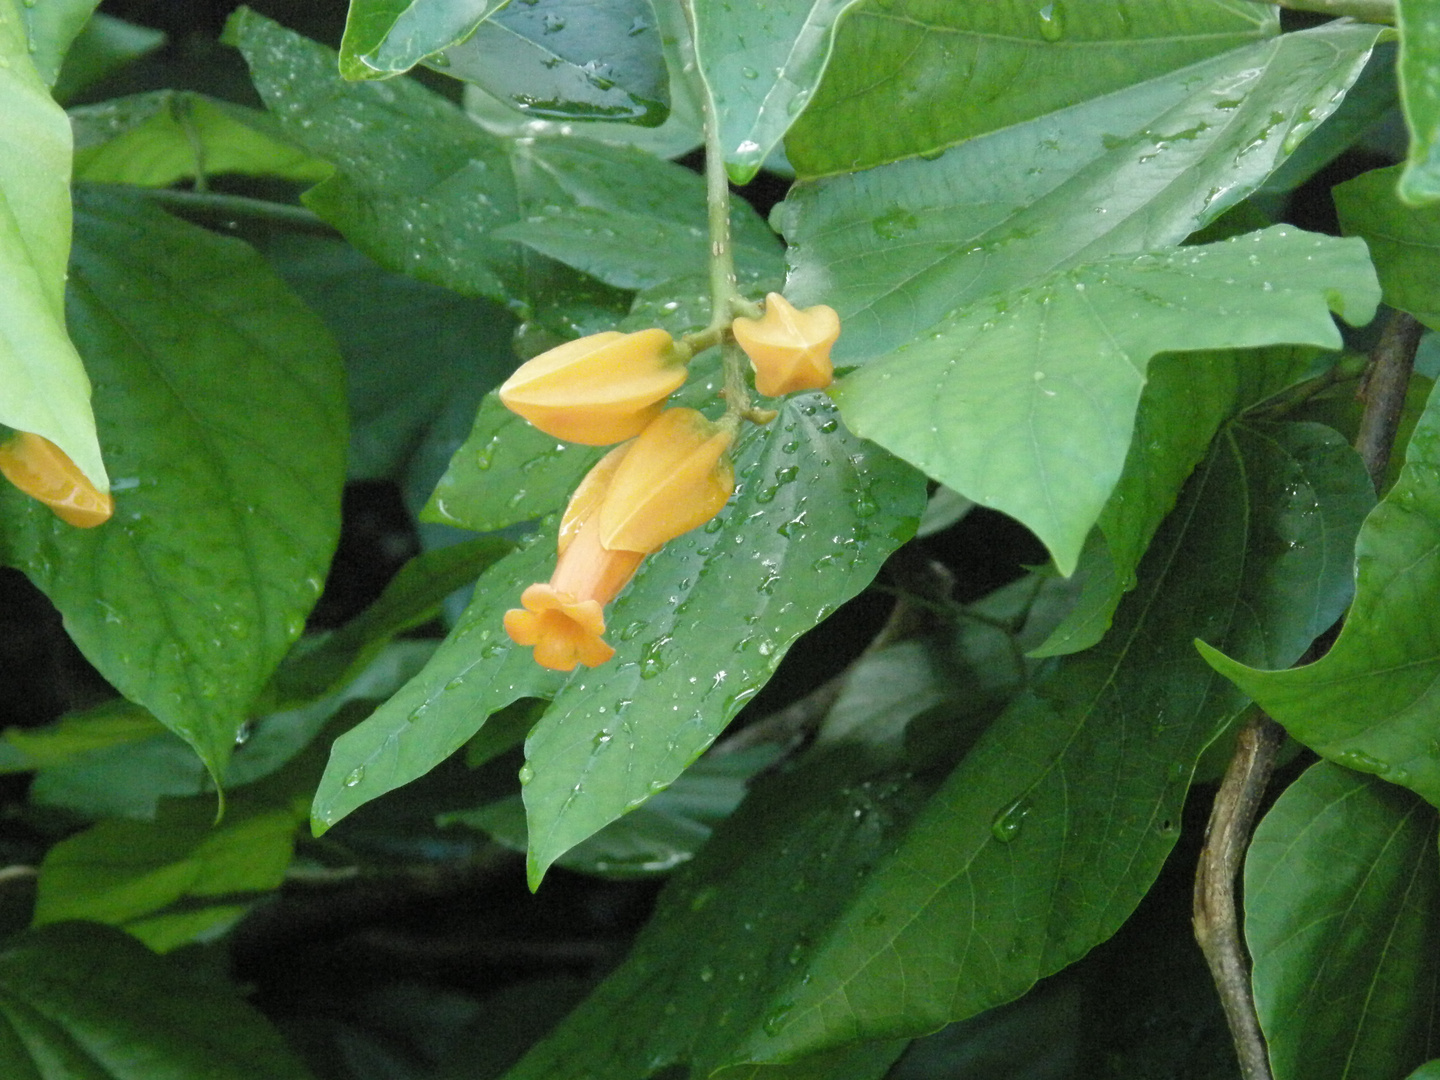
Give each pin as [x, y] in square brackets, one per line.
[1232, 817]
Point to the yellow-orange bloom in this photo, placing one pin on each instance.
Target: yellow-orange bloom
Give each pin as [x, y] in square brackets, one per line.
[789, 348]
[43, 471]
[597, 390]
[673, 478]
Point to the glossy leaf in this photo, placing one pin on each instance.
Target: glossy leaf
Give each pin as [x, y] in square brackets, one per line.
[389, 37]
[1369, 704]
[895, 249]
[1404, 242]
[105, 45]
[228, 502]
[1046, 379]
[761, 64]
[955, 71]
[1053, 827]
[569, 59]
[1420, 96]
[46, 389]
[50, 28]
[82, 1000]
[1342, 918]
[157, 138]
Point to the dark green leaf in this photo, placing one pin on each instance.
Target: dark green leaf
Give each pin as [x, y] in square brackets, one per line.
[760, 64]
[954, 71]
[47, 391]
[222, 403]
[389, 37]
[85, 1002]
[49, 29]
[1370, 703]
[894, 249]
[1342, 917]
[569, 59]
[1420, 95]
[1047, 378]
[105, 45]
[1404, 242]
[158, 138]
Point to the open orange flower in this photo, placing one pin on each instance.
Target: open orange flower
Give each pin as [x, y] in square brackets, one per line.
[789, 348]
[43, 471]
[597, 390]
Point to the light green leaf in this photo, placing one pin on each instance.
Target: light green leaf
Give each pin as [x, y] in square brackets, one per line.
[1342, 906]
[157, 138]
[1371, 702]
[228, 502]
[389, 37]
[75, 734]
[895, 249]
[1420, 96]
[955, 71]
[1026, 402]
[1429, 1071]
[50, 27]
[46, 389]
[760, 65]
[569, 60]
[86, 1001]
[1404, 242]
[105, 45]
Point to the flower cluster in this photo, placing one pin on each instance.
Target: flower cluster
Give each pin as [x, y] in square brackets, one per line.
[671, 472]
[43, 471]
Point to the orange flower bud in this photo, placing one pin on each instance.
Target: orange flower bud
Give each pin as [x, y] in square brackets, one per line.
[597, 390]
[43, 471]
[673, 478]
[589, 495]
[789, 349]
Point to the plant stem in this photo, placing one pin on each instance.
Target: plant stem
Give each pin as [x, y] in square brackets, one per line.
[1374, 11]
[209, 205]
[1383, 391]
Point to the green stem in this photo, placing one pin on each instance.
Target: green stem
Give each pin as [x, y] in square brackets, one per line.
[210, 205]
[1372, 11]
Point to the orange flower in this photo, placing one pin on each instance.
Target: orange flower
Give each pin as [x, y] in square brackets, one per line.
[43, 471]
[789, 349]
[597, 390]
[673, 478]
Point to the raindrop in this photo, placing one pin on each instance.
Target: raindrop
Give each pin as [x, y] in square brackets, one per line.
[354, 776]
[1052, 21]
[1005, 826]
[552, 24]
[526, 774]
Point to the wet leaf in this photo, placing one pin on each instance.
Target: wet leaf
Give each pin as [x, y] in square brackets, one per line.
[1420, 96]
[49, 30]
[1404, 242]
[389, 37]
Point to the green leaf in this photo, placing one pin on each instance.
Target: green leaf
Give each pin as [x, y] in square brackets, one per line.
[955, 71]
[569, 59]
[157, 138]
[1404, 242]
[894, 249]
[114, 723]
[1420, 96]
[228, 502]
[1047, 378]
[46, 389]
[1369, 704]
[50, 28]
[634, 251]
[760, 66]
[1052, 828]
[1429, 1071]
[104, 46]
[1342, 906]
[389, 37]
[86, 1001]
[411, 598]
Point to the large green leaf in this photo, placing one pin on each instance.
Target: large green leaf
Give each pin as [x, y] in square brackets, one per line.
[895, 249]
[1342, 917]
[50, 28]
[388, 37]
[158, 138]
[105, 45]
[46, 389]
[760, 65]
[1372, 702]
[1420, 95]
[1053, 827]
[954, 71]
[222, 403]
[1026, 401]
[1404, 242]
[85, 1002]
[569, 59]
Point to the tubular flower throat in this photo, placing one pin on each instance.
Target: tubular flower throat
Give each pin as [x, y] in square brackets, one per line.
[789, 348]
[597, 390]
[43, 471]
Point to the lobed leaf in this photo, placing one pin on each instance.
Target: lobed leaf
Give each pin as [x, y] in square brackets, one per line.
[1420, 97]
[1404, 242]
[955, 71]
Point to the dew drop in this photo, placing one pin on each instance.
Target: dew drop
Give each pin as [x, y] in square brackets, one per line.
[354, 776]
[1005, 826]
